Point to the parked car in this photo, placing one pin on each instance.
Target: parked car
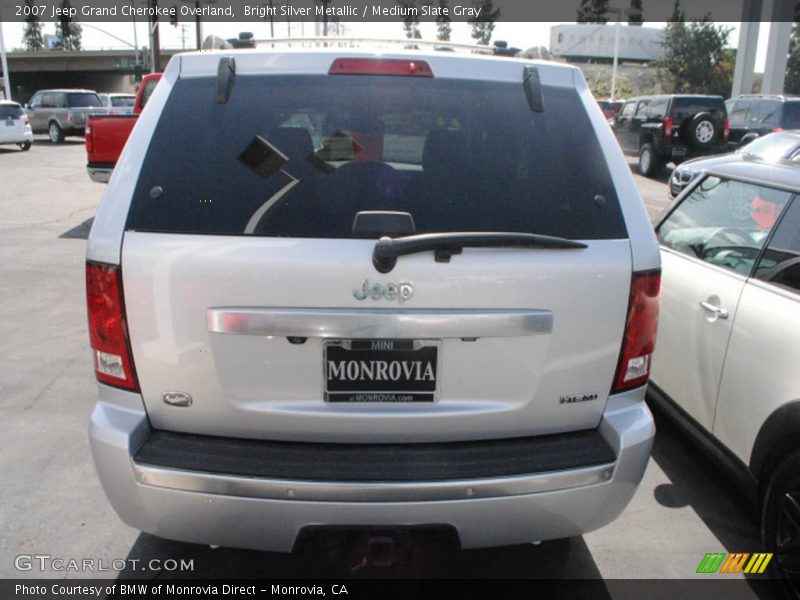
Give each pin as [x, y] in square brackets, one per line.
[61, 113]
[349, 289]
[726, 363]
[14, 125]
[752, 116]
[610, 108]
[674, 128]
[106, 135]
[773, 147]
[118, 104]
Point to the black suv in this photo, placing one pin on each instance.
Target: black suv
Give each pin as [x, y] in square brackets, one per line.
[754, 116]
[660, 129]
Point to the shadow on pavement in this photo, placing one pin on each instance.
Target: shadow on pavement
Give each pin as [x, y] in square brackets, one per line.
[662, 177]
[79, 232]
[700, 483]
[560, 559]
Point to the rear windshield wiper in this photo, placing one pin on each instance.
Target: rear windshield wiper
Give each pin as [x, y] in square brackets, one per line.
[444, 245]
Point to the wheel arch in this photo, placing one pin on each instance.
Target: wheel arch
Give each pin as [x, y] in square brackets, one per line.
[777, 438]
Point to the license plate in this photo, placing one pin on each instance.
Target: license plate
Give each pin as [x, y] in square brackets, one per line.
[679, 151]
[381, 370]
[10, 123]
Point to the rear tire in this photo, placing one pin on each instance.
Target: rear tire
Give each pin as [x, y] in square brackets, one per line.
[56, 133]
[701, 130]
[780, 525]
[650, 162]
[24, 146]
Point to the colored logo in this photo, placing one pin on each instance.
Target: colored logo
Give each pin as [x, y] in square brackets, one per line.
[738, 562]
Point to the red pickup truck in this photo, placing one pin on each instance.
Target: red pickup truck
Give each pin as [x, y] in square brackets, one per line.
[106, 134]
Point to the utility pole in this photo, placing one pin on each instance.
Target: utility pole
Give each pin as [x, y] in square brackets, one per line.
[155, 42]
[4, 62]
[198, 26]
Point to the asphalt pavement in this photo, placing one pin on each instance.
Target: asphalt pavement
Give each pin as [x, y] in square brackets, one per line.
[51, 501]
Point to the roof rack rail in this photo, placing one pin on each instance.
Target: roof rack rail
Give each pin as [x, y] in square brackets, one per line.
[360, 42]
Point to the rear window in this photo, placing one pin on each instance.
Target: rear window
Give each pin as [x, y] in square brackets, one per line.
[122, 100]
[10, 111]
[791, 115]
[82, 100]
[300, 156]
[686, 107]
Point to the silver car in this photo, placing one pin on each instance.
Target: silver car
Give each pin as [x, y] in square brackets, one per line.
[365, 293]
[60, 113]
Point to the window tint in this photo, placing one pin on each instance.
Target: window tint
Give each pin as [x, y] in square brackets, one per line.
[740, 111]
[122, 100]
[628, 110]
[724, 222]
[84, 99]
[767, 112]
[657, 109]
[686, 107]
[300, 156]
[148, 90]
[780, 263]
[11, 111]
[791, 115]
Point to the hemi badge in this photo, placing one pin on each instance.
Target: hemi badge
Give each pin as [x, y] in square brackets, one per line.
[572, 398]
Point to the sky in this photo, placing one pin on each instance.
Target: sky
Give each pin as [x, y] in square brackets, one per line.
[521, 35]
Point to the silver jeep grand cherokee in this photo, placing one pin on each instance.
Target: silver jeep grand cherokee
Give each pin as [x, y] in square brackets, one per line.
[348, 288]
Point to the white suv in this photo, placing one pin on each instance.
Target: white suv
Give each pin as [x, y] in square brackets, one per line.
[348, 288]
[726, 367]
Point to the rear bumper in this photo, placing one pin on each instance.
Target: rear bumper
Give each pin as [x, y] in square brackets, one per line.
[16, 138]
[99, 174]
[267, 513]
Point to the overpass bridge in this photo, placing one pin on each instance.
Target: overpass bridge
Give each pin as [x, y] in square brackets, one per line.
[101, 70]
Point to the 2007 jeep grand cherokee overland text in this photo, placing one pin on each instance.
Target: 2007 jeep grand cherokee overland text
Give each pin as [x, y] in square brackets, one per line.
[335, 289]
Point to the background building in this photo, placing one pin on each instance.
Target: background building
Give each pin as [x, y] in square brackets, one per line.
[590, 42]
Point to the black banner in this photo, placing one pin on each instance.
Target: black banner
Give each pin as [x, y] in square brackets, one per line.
[378, 10]
[356, 589]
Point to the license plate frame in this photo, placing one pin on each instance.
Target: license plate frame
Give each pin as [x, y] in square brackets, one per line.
[404, 391]
[10, 123]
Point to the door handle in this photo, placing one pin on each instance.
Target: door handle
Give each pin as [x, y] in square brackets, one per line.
[718, 312]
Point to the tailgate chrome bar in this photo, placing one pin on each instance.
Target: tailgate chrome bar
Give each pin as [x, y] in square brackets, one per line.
[349, 323]
[336, 491]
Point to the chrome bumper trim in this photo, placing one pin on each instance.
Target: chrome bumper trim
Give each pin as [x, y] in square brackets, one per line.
[335, 491]
[99, 175]
[378, 323]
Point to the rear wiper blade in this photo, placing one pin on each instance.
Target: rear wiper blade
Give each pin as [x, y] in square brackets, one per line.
[444, 245]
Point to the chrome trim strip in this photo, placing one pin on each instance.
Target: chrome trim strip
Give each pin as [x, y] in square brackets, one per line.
[99, 175]
[335, 491]
[348, 323]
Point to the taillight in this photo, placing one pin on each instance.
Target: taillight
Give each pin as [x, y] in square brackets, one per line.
[668, 127]
[639, 342]
[726, 132]
[108, 332]
[27, 122]
[380, 66]
[777, 129]
[88, 138]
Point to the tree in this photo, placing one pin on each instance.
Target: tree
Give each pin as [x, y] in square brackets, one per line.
[593, 11]
[32, 36]
[678, 15]
[443, 27]
[483, 24]
[696, 58]
[635, 13]
[792, 84]
[68, 32]
[411, 20]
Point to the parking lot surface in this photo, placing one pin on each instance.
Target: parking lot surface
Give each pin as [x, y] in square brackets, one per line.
[52, 502]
